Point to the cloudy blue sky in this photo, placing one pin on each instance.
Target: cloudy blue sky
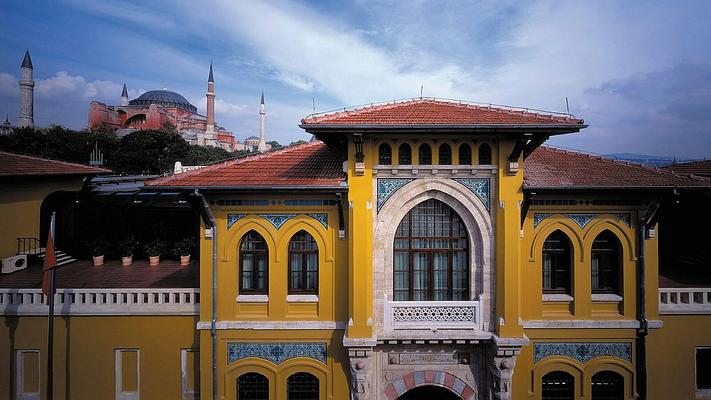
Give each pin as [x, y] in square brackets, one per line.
[638, 72]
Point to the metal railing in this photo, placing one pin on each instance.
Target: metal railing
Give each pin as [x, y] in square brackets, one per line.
[685, 300]
[102, 302]
[28, 245]
[433, 315]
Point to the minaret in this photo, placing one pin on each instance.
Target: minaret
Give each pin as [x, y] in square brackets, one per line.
[210, 104]
[124, 96]
[262, 147]
[26, 93]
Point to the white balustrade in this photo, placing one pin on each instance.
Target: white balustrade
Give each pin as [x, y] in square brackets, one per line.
[685, 300]
[433, 315]
[102, 302]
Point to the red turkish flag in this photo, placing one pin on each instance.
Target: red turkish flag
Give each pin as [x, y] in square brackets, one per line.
[50, 261]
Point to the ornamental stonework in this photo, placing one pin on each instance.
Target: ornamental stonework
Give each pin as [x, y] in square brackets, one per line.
[583, 352]
[276, 353]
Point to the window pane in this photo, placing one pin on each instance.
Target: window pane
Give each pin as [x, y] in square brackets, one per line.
[556, 263]
[384, 154]
[608, 385]
[404, 154]
[252, 386]
[703, 369]
[465, 154]
[557, 385]
[484, 154]
[302, 386]
[445, 154]
[425, 154]
[606, 263]
[303, 263]
[253, 263]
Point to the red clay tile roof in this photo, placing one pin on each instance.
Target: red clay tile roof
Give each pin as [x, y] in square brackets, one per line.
[438, 112]
[698, 168]
[306, 165]
[83, 274]
[12, 164]
[549, 167]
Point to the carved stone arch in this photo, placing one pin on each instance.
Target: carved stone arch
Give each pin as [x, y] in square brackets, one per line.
[473, 214]
[618, 228]
[442, 379]
[566, 226]
[234, 237]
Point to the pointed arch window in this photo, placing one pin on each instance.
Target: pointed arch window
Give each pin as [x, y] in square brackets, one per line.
[608, 385]
[557, 263]
[303, 264]
[484, 154]
[252, 386]
[557, 385]
[385, 154]
[465, 154]
[253, 264]
[404, 154]
[425, 154]
[445, 154]
[302, 386]
[430, 255]
[606, 262]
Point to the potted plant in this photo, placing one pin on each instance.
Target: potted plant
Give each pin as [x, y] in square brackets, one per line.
[98, 249]
[183, 248]
[154, 248]
[127, 246]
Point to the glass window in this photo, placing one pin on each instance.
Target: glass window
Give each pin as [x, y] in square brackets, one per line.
[253, 264]
[608, 385]
[303, 264]
[425, 154]
[484, 154]
[703, 369]
[385, 154]
[606, 264]
[430, 255]
[557, 385]
[302, 386]
[404, 154]
[445, 154]
[465, 154]
[252, 386]
[557, 262]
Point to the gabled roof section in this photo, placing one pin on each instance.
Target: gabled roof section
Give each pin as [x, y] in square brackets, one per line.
[552, 168]
[12, 164]
[428, 112]
[698, 168]
[304, 166]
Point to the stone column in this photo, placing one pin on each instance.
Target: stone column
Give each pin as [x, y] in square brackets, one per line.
[503, 356]
[361, 369]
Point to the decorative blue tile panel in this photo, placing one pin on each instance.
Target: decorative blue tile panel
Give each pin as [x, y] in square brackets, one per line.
[320, 217]
[388, 186]
[232, 218]
[539, 217]
[277, 219]
[479, 186]
[626, 218]
[276, 353]
[581, 219]
[582, 352]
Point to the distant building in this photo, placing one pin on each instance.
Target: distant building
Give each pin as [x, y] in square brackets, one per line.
[158, 109]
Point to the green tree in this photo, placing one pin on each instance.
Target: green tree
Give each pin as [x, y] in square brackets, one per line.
[149, 152]
[275, 145]
[201, 155]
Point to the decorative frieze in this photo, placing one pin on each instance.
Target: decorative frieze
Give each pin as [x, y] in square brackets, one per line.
[479, 186]
[583, 352]
[276, 353]
[388, 186]
[428, 358]
[232, 218]
[433, 314]
[277, 220]
[581, 219]
[320, 217]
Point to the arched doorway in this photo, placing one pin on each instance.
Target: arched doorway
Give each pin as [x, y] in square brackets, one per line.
[429, 393]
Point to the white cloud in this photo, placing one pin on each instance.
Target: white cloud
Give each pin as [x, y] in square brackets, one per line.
[8, 85]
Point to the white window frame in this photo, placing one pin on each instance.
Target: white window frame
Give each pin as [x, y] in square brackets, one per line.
[121, 395]
[700, 393]
[20, 375]
[187, 394]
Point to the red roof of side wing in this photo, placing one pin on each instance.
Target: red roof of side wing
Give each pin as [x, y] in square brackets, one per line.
[433, 112]
[12, 164]
[309, 165]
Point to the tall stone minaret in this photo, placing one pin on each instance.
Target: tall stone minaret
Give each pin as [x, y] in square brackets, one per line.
[27, 86]
[262, 147]
[210, 103]
[124, 96]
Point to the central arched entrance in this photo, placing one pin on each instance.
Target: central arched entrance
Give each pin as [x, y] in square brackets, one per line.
[429, 393]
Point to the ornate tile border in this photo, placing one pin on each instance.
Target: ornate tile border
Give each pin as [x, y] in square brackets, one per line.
[388, 186]
[278, 219]
[583, 352]
[320, 217]
[580, 218]
[276, 353]
[478, 186]
[232, 218]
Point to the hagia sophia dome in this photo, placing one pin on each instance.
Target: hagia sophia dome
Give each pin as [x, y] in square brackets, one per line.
[165, 98]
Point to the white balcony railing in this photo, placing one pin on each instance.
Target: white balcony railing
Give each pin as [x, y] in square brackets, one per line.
[102, 302]
[685, 300]
[433, 315]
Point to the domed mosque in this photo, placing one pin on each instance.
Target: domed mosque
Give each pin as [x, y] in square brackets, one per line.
[161, 109]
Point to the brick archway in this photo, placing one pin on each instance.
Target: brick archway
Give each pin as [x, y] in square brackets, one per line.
[429, 378]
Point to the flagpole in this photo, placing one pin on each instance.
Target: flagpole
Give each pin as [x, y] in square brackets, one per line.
[50, 322]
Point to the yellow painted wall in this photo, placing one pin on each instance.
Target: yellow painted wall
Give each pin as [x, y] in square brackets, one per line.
[84, 357]
[20, 201]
